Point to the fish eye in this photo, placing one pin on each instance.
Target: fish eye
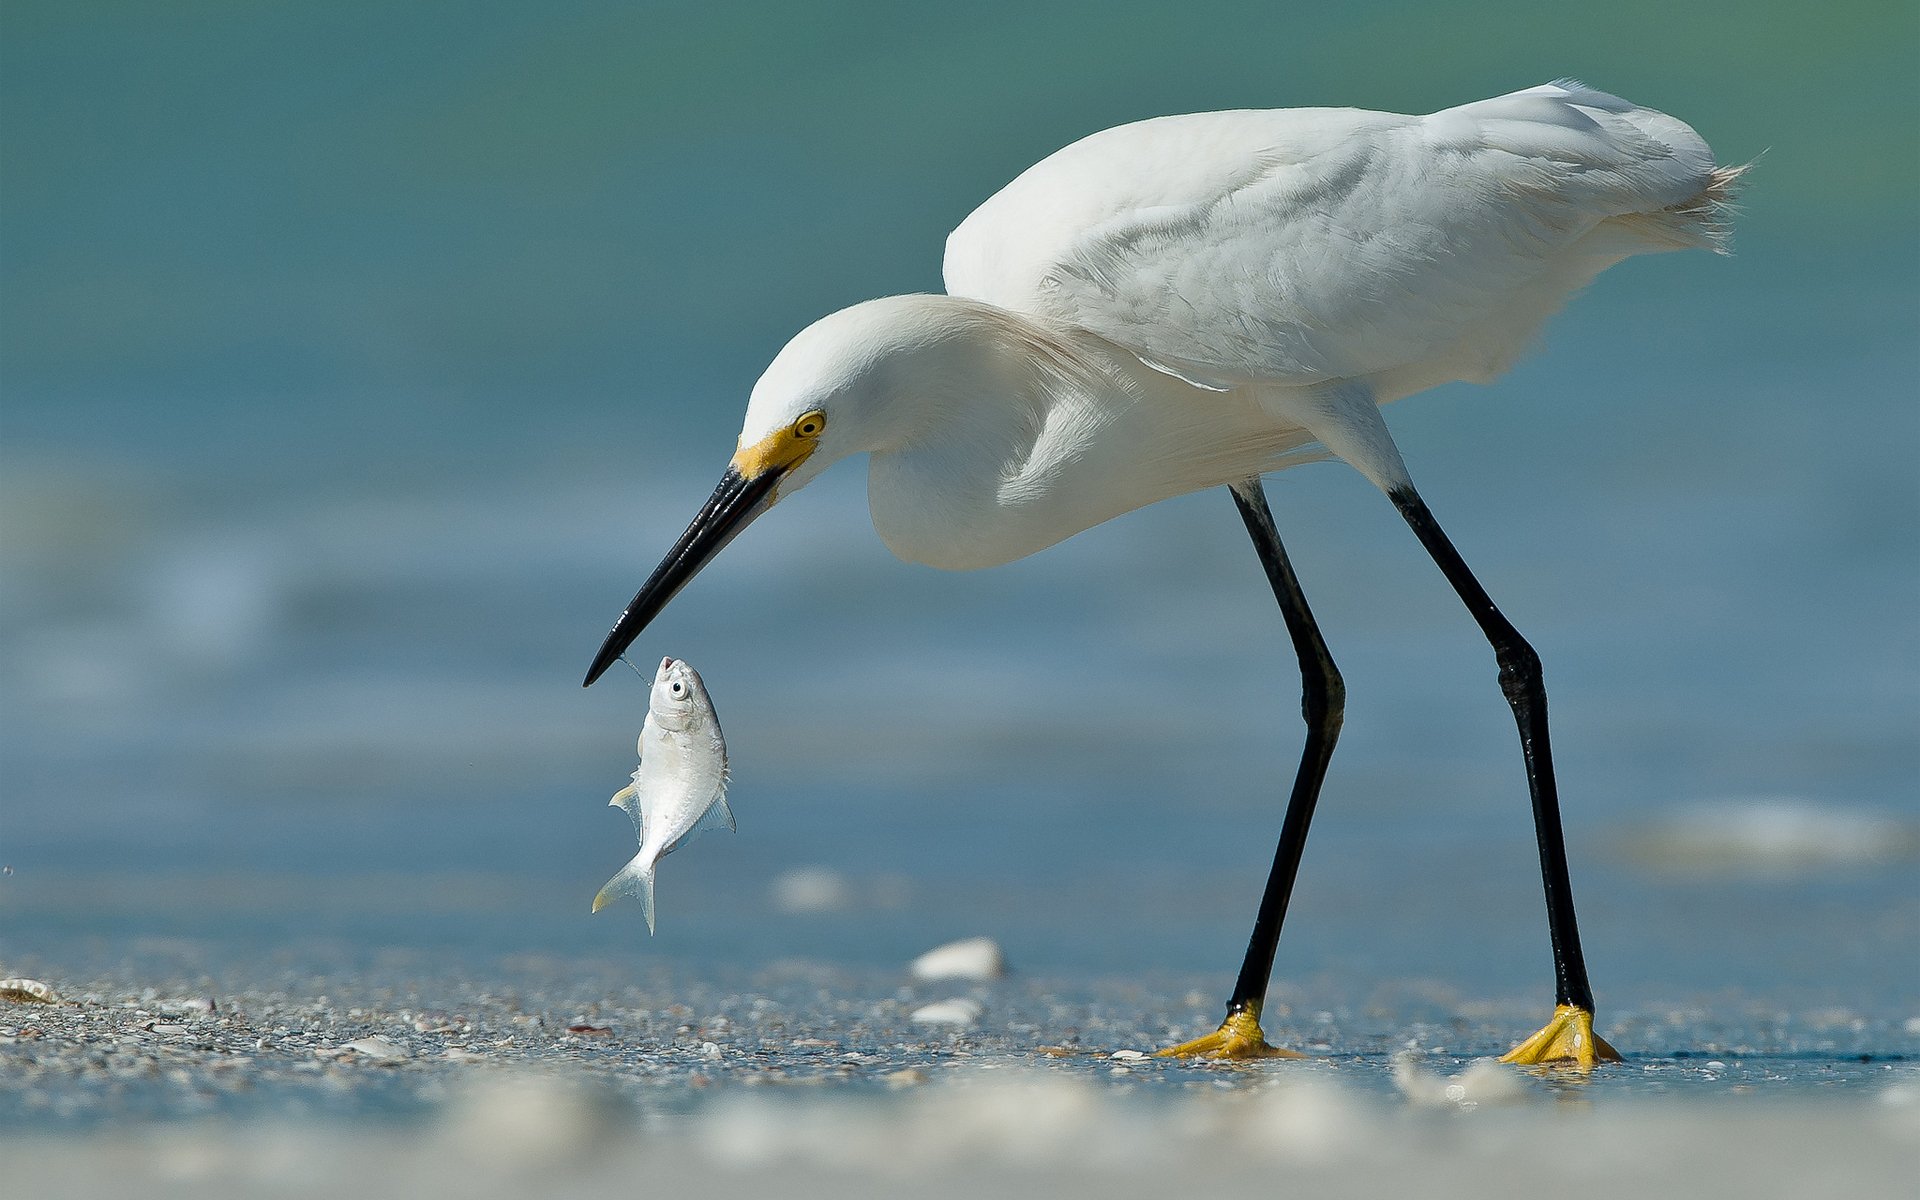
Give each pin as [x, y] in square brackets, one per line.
[678, 688]
[810, 424]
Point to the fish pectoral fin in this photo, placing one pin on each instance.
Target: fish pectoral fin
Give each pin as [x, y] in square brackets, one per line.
[719, 816]
[636, 880]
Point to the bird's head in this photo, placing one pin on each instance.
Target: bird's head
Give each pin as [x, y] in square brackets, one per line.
[852, 382]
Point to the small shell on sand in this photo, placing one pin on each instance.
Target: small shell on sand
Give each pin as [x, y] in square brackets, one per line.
[961, 1010]
[1485, 1081]
[27, 991]
[376, 1047]
[970, 958]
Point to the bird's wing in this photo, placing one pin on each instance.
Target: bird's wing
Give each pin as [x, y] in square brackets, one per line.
[1300, 245]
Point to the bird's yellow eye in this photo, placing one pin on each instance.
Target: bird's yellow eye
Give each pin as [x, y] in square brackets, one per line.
[810, 424]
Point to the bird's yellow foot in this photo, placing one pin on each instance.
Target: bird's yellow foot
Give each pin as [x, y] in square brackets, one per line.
[1239, 1036]
[1568, 1038]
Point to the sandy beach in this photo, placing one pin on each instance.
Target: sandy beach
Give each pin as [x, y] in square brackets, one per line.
[400, 1075]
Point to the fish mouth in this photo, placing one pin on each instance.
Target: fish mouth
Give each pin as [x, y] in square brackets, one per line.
[732, 507]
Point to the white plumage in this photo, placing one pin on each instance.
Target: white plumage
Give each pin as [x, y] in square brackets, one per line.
[1298, 246]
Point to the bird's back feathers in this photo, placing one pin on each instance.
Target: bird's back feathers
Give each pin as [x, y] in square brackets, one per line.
[1296, 246]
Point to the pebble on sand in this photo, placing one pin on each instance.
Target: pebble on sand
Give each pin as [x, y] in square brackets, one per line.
[976, 958]
[961, 1010]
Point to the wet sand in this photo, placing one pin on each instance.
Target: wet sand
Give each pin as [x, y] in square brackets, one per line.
[399, 1075]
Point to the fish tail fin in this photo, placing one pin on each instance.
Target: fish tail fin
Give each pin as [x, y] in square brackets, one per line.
[636, 880]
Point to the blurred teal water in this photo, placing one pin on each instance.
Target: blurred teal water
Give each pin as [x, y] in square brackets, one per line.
[358, 360]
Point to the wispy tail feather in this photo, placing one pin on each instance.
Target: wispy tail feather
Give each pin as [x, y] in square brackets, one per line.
[1703, 221]
[1714, 208]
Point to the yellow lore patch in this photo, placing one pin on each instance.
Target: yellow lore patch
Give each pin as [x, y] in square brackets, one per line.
[781, 451]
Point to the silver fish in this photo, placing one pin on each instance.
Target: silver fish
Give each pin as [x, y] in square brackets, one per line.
[680, 786]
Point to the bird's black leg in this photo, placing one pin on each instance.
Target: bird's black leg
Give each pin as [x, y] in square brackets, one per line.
[1570, 1035]
[1322, 702]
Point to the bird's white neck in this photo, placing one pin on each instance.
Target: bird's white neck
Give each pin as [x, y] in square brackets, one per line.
[1033, 433]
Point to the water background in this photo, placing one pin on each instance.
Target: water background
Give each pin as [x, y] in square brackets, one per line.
[358, 360]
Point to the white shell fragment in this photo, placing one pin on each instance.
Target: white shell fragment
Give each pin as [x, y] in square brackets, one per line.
[1485, 1081]
[976, 958]
[376, 1047]
[192, 1006]
[960, 1011]
[27, 991]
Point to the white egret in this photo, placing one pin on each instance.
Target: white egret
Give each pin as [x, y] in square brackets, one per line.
[1193, 301]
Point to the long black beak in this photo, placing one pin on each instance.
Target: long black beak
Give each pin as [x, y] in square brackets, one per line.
[731, 508]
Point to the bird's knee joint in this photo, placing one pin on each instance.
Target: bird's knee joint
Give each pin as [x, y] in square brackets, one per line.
[1336, 699]
[1520, 672]
[1325, 706]
[1323, 716]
